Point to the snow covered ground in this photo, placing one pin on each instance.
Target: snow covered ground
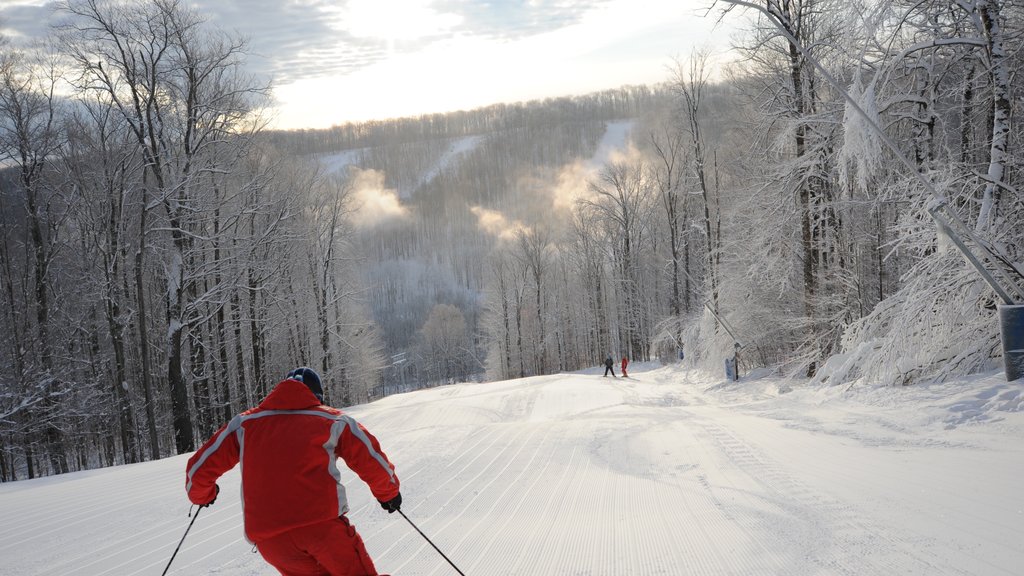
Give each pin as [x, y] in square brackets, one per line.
[669, 472]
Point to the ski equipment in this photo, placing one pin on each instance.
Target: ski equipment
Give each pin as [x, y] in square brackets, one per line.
[183, 539]
[431, 543]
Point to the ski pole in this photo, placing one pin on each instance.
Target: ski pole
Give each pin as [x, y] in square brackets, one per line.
[431, 543]
[182, 540]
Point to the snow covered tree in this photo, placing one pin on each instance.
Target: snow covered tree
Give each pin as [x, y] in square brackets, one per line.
[533, 251]
[445, 342]
[623, 203]
[100, 159]
[30, 137]
[669, 166]
[922, 71]
[689, 83]
[179, 87]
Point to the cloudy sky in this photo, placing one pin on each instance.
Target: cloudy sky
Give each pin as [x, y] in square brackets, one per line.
[334, 61]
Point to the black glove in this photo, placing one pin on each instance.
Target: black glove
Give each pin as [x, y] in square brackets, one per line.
[393, 505]
[210, 503]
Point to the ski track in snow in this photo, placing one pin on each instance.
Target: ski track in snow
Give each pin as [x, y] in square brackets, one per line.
[665, 473]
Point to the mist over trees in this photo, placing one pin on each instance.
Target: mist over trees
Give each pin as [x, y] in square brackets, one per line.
[166, 258]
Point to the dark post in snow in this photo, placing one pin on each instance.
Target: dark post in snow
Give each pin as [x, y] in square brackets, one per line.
[1011, 331]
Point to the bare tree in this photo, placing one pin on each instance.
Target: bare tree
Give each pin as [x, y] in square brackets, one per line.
[30, 137]
[689, 84]
[330, 214]
[499, 325]
[181, 91]
[533, 250]
[622, 200]
[101, 160]
[669, 173]
[445, 341]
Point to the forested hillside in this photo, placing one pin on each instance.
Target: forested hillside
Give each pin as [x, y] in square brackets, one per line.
[436, 199]
[166, 257]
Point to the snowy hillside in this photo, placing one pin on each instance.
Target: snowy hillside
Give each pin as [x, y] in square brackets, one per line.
[666, 473]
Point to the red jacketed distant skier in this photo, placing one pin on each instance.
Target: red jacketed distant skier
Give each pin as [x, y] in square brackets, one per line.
[625, 362]
[293, 501]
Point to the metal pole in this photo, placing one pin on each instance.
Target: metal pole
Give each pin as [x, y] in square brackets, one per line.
[431, 543]
[182, 540]
[944, 226]
[725, 324]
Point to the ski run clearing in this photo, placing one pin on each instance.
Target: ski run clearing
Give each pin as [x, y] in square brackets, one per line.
[668, 472]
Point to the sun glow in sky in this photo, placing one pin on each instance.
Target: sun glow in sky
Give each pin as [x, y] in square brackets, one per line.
[610, 45]
[337, 61]
[394, 20]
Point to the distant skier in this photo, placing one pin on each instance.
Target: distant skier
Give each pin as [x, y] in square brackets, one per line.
[608, 363]
[292, 498]
[625, 361]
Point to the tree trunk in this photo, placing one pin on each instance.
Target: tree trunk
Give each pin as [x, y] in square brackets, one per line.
[223, 370]
[116, 330]
[999, 74]
[6, 469]
[256, 336]
[519, 332]
[808, 253]
[966, 112]
[243, 390]
[506, 329]
[140, 297]
[30, 458]
[202, 391]
[183, 436]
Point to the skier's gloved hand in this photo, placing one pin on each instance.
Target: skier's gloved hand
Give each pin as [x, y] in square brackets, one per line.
[393, 505]
[215, 493]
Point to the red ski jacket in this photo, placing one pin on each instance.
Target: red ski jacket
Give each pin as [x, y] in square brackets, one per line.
[288, 447]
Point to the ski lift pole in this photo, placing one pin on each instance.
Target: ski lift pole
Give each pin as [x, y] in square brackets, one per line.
[971, 258]
[726, 325]
[732, 364]
[431, 543]
[182, 540]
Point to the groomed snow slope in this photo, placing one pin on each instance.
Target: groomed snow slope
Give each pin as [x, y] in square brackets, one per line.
[668, 472]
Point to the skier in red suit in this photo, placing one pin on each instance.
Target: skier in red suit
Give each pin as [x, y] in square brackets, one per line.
[625, 362]
[293, 501]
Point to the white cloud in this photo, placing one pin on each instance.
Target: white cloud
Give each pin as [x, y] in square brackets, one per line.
[395, 19]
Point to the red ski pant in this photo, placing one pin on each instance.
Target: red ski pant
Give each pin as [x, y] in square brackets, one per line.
[330, 548]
